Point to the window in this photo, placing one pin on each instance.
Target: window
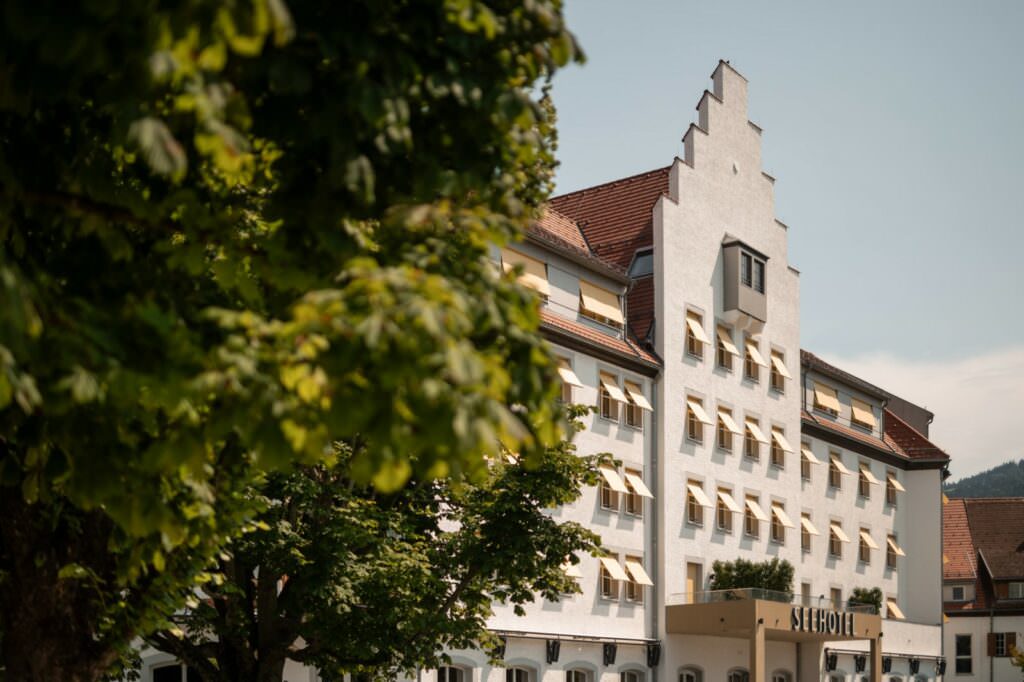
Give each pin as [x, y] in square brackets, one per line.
[175, 672]
[892, 609]
[836, 538]
[778, 374]
[753, 517]
[727, 428]
[867, 543]
[576, 675]
[631, 676]
[892, 486]
[643, 264]
[753, 361]
[696, 418]
[534, 272]
[636, 405]
[611, 396]
[836, 469]
[695, 336]
[958, 593]
[1015, 591]
[726, 350]
[738, 675]
[746, 270]
[753, 439]
[758, 276]
[638, 579]
[805, 594]
[569, 379]
[964, 662]
[863, 484]
[449, 674]
[600, 305]
[1001, 644]
[726, 508]
[635, 497]
[611, 574]
[781, 676]
[517, 675]
[826, 399]
[780, 446]
[807, 529]
[892, 552]
[780, 522]
[807, 458]
[696, 500]
[862, 414]
[836, 595]
[691, 675]
[611, 486]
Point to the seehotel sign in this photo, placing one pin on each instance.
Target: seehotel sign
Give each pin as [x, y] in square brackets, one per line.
[826, 621]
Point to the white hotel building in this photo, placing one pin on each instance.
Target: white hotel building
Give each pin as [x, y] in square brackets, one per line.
[671, 301]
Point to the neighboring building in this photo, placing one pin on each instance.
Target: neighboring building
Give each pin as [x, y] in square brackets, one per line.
[983, 587]
[670, 301]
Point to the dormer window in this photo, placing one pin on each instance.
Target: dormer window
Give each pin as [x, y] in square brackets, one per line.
[643, 263]
[533, 272]
[600, 305]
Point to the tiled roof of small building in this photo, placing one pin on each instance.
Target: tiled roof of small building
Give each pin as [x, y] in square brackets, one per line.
[911, 441]
[563, 227]
[956, 543]
[997, 530]
[622, 347]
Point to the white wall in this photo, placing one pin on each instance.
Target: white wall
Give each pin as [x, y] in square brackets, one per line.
[984, 667]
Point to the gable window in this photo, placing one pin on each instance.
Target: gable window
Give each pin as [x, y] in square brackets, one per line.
[958, 593]
[807, 529]
[696, 500]
[964, 660]
[778, 375]
[892, 486]
[611, 575]
[449, 674]
[826, 399]
[726, 350]
[753, 361]
[754, 439]
[696, 418]
[780, 522]
[726, 508]
[727, 428]
[892, 552]
[600, 305]
[569, 379]
[867, 543]
[636, 405]
[753, 517]
[780, 446]
[695, 336]
[611, 396]
[836, 538]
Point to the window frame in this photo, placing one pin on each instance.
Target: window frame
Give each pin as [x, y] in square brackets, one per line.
[694, 426]
[749, 517]
[634, 592]
[776, 531]
[725, 436]
[958, 657]
[751, 445]
[805, 464]
[609, 406]
[835, 543]
[723, 358]
[633, 504]
[609, 498]
[863, 484]
[459, 673]
[805, 535]
[1012, 586]
[634, 416]
[694, 346]
[777, 456]
[751, 370]
[723, 512]
[835, 476]
[891, 494]
[863, 549]
[609, 586]
[694, 509]
[776, 381]
[695, 674]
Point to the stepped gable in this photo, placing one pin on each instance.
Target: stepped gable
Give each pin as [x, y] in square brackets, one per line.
[997, 529]
[957, 543]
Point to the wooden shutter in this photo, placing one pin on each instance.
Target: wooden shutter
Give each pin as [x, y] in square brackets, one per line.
[991, 644]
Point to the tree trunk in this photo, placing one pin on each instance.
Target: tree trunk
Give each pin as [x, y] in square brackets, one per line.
[48, 622]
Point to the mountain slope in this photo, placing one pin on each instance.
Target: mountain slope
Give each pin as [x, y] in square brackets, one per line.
[1005, 480]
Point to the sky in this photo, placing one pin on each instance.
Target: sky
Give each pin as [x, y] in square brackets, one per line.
[895, 132]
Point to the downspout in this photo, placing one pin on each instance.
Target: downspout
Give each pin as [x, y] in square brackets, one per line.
[653, 527]
[991, 629]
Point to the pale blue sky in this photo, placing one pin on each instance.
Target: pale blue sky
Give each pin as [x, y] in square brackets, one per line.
[895, 131]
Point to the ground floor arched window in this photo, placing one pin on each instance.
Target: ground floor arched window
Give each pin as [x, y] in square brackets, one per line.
[691, 674]
[631, 676]
[517, 674]
[175, 672]
[576, 675]
[450, 673]
[738, 675]
[782, 676]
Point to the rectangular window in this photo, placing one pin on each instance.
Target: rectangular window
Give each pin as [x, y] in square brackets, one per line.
[753, 439]
[806, 594]
[862, 414]
[1000, 644]
[638, 579]
[780, 522]
[696, 418]
[836, 471]
[958, 593]
[807, 458]
[867, 543]
[964, 661]
[727, 428]
[600, 305]
[892, 552]
[609, 497]
[611, 575]
[696, 500]
[892, 486]
[807, 529]
[759, 272]
[753, 361]
[753, 517]
[746, 269]
[1015, 590]
[637, 492]
[726, 350]
[611, 396]
[726, 508]
[836, 538]
[836, 595]
[695, 336]
[826, 399]
[779, 373]
[864, 480]
[780, 446]
[893, 609]
[569, 379]
[636, 405]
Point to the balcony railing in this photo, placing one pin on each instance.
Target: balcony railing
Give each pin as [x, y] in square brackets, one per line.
[736, 594]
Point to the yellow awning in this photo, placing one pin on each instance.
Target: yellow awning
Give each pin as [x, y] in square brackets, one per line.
[780, 366]
[837, 530]
[945, 559]
[805, 521]
[839, 465]
[613, 568]
[729, 502]
[636, 396]
[600, 301]
[865, 470]
[638, 485]
[725, 338]
[636, 570]
[894, 482]
[611, 477]
[729, 423]
[698, 411]
[945, 499]
[611, 384]
[756, 510]
[897, 550]
[756, 432]
[698, 494]
[808, 454]
[782, 516]
[868, 540]
[863, 413]
[535, 272]
[568, 376]
[780, 438]
[826, 396]
[696, 328]
[754, 353]
[894, 609]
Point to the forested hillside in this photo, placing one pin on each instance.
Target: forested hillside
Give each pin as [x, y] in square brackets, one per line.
[1005, 480]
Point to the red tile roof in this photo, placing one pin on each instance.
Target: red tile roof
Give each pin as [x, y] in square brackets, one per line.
[911, 441]
[622, 347]
[957, 544]
[563, 227]
[997, 530]
[640, 308]
[884, 444]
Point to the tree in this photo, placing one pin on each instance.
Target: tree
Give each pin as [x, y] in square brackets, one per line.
[775, 574]
[1017, 658]
[347, 579]
[230, 233]
[870, 597]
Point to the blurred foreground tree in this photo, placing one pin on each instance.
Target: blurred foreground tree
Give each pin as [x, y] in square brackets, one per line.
[231, 232]
[350, 580]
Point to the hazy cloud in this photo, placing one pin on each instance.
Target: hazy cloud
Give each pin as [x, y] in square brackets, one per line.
[978, 401]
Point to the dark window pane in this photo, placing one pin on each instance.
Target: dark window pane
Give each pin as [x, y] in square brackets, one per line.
[759, 276]
[745, 269]
[963, 645]
[192, 675]
[643, 264]
[167, 673]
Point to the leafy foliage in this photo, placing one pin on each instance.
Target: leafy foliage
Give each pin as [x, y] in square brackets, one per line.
[347, 579]
[1005, 480]
[231, 232]
[863, 595]
[775, 574]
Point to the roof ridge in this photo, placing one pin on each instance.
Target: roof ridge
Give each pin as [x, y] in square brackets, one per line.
[611, 182]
